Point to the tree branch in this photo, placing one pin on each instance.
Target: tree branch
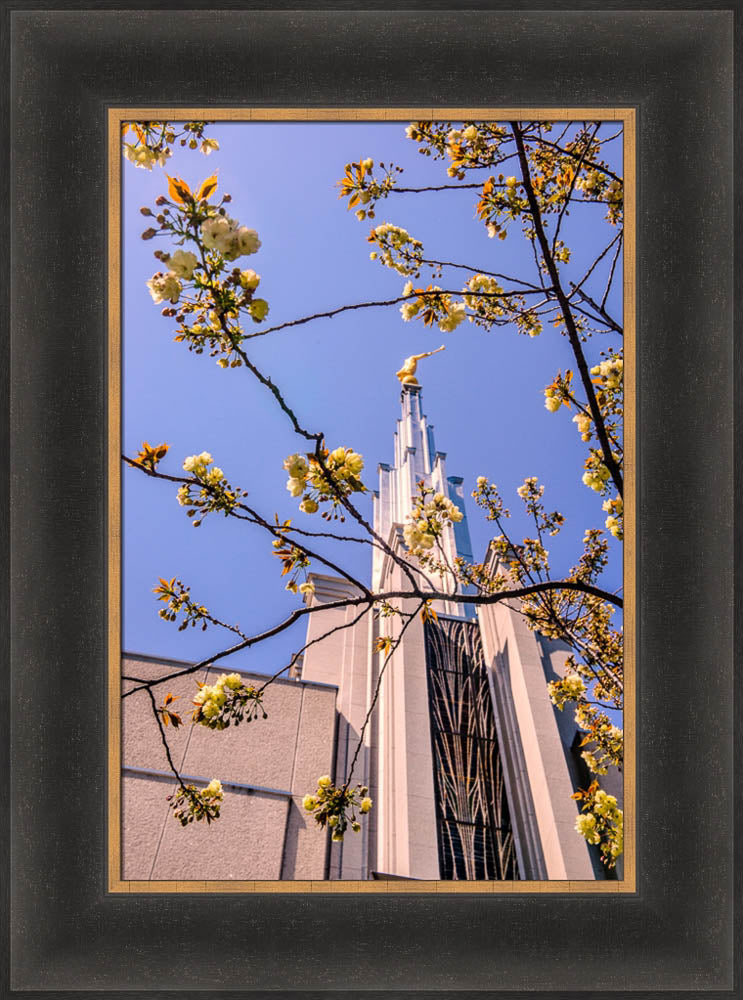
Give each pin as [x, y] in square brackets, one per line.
[573, 336]
[330, 313]
[432, 595]
[164, 739]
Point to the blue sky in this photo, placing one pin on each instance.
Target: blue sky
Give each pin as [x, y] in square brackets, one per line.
[484, 394]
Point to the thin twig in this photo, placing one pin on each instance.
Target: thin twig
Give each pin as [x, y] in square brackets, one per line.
[573, 335]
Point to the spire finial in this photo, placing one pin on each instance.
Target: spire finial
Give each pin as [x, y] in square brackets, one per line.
[407, 372]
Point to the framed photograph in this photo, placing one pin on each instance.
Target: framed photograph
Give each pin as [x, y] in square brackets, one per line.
[460, 662]
[465, 715]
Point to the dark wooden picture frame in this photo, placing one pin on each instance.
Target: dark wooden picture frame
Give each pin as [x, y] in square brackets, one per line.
[68, 933]
[624, 118]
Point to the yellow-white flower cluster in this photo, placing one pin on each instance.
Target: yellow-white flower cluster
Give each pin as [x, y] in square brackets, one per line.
[583, 422]
[530, 489]
[228, 700]
[597, 475]
[569, 688]
[482, 283]
[228, 237]
[454, 316]
[590, 181]
[428, 521]
[215, 493]
[165, 286]
[603, 824]
[199, 466]
[249, 280]
[483, 295]
[182, 264]
[308, 479]
[552, 399]
[336, 807]
[146, 158]
[397, 248]
[611, 372]
[214, 789]
[409, 309]
[211, 699]
[191, 803]
[596, 479]
[450, 313]
[615, 520]
[574, 686]
[585, 825]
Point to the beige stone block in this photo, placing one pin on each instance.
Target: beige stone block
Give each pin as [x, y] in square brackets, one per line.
[246, 842]
[424, 860]
[305, 847]
[313, 756]
[260, 752]
[141, 740]
[144, 814]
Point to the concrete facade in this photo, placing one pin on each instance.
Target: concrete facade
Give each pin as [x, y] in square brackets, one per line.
[266, 767]
[337, 709]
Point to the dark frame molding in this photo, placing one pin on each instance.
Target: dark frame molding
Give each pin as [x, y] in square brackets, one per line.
[67, 935]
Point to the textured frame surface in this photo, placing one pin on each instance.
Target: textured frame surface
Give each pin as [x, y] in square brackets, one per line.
[303, 115]
[676, 933]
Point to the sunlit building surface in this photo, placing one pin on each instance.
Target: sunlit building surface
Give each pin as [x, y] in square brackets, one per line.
[470, 766]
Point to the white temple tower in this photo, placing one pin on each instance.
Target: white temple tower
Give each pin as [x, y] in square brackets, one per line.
[470, 766]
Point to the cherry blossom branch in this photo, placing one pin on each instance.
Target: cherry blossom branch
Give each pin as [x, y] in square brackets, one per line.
[602, 313]
[574, 155]
[330, 313]
[164, 739]
[254, 518]
[618, 238]
[425, 596]
[573, 335]
[312, 642]
[478, 270]
[611, 277]
[561, 214]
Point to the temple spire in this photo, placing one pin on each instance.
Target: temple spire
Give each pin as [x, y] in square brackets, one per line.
[415, 459]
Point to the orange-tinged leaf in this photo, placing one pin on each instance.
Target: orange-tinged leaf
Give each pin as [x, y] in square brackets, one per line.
[178, 189]
[208, 187]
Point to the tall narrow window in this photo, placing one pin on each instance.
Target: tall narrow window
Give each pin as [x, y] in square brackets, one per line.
[474, 824]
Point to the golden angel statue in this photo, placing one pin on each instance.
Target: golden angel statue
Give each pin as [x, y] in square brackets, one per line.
[407, 372]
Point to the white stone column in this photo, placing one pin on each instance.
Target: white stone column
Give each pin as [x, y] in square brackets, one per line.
[505, 636]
